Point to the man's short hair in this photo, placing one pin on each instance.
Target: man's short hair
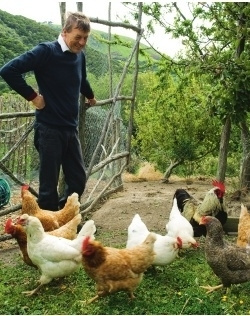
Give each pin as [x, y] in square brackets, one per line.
[77, 20]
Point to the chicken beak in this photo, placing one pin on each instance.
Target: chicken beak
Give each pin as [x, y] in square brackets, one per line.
[202, 220]
[21, 221]
[17, 220]
[196, 245]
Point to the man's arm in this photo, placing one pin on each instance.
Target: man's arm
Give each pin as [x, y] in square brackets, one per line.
[13, 72]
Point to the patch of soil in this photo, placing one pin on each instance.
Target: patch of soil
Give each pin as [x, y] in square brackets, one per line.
[9, 254]
[152, 200]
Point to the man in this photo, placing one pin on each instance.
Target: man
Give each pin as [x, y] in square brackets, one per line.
[60, 72]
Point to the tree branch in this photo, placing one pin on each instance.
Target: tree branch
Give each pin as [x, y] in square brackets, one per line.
[117, 24]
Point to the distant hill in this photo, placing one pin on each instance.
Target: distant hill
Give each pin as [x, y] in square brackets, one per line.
[18, 34]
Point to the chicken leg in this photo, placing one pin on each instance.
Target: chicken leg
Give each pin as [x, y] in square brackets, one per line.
[102, 293]
[29, 293]
[210, 288]
[92, 299]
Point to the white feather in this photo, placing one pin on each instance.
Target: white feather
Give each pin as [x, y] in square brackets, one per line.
[179, 226]
[165, 247]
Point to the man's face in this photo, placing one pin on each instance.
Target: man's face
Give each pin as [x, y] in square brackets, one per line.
[75, 40]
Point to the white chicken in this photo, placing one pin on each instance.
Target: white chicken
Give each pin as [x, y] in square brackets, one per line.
[165, 247]
[54, 256]
[179, 226]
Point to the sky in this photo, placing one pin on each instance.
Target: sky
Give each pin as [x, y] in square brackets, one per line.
[41, 11]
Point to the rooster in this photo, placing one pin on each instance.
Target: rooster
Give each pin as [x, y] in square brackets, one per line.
[228, 261]
[49, 219]
[212, 205]
[166, 248]
[54, 256]
[117, 269]
[69, 231]
[179, 226]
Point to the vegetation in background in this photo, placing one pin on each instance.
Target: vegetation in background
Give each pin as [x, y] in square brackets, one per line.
[215, 37]
[175, 126]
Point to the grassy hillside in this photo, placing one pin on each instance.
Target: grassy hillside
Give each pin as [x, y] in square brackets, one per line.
[121, 45]
[18, 34]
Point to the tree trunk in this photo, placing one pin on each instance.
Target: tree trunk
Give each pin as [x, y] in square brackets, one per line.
[62, 6]
[224, 144]
[245, 164]
[245, 134]
[169, 170]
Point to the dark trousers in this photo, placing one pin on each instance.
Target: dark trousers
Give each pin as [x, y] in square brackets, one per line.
[58, 147]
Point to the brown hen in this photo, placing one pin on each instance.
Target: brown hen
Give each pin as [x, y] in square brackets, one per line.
[49, 219]
[117, 269]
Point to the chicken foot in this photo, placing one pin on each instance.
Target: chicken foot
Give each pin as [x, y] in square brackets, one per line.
[210, 288]
[131, 296]
[100, 293]
[103, 293]
[92, 299]
[29, 293]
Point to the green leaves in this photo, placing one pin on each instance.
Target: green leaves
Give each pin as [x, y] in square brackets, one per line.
[173, 125]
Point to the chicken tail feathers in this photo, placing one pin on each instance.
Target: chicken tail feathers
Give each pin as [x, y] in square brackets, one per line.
[222, 217]
[73, 203]
[88, 229]
[181, 196]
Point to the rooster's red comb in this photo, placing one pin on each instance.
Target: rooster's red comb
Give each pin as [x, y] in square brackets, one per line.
[25, 187]
[8, 225]
[85, 243]
[219, 185]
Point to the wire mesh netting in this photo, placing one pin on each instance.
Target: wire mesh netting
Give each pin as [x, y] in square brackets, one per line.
[20, 158]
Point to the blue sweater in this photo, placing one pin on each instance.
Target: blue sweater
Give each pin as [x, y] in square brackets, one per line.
[61, 77]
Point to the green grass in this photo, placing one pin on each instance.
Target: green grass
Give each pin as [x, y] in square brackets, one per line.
[173, 289]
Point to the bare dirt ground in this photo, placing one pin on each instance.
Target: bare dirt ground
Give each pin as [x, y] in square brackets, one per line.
[146, 195]
[152, 200]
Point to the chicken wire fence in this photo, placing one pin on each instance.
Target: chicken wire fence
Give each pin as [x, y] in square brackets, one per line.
[19, 161]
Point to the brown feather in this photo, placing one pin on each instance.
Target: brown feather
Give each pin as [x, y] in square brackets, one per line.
[50, 220]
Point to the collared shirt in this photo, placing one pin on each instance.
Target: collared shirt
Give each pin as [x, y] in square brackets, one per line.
[62, 43]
